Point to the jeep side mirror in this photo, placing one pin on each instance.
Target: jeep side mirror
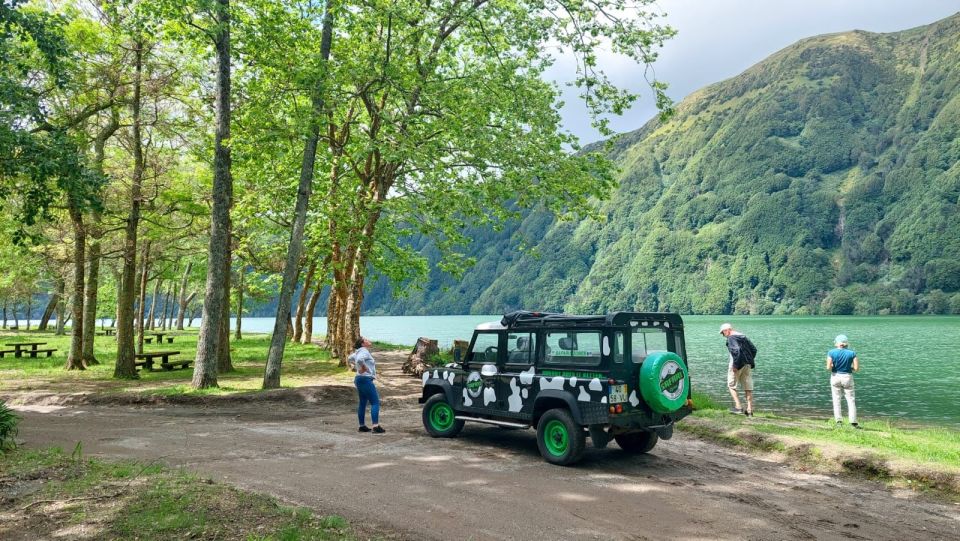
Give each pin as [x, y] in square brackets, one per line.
[489, 370]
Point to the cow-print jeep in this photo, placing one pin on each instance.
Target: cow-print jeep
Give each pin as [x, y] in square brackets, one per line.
[622, 377]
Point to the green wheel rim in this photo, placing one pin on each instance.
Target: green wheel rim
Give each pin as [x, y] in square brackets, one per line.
[556, 438]
[441, 416]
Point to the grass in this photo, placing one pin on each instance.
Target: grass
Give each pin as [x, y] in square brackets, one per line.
[927, 458]
[50, 493]
[302, 365]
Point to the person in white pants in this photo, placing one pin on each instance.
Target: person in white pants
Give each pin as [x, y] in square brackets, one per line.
[842, 362]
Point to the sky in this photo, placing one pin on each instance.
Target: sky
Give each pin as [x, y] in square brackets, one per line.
[717, 39]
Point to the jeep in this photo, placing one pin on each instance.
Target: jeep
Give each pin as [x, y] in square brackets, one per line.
[621, 376]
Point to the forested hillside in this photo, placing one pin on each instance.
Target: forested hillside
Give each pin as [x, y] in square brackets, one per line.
[824, 179]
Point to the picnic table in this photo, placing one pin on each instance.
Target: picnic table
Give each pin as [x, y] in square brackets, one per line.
[160, 336]
[30, 348]
[147, 360]
[107, 331]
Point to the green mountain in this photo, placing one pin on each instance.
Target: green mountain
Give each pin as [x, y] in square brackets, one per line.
[825, 179]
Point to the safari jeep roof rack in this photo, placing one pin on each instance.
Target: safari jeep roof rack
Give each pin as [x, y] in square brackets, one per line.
[526, 319]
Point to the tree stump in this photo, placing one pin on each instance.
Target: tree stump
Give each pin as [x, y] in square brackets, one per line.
[418, 361]
[459, 350]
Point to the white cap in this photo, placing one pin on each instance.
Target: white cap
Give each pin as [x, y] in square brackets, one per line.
[725, 327]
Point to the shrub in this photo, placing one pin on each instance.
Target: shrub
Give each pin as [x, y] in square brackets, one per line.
[8, 427]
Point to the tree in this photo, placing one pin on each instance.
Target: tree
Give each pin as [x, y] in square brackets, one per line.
[271, 377]
[442, 115]
[214, 327]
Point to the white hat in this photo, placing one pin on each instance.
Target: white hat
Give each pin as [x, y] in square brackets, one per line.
[725, 327]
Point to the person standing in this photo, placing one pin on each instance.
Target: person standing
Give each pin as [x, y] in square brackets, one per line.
[362, 362]
[740, 370]
[842, 362]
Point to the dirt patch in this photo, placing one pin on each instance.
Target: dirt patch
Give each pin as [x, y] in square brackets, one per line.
[490, 483]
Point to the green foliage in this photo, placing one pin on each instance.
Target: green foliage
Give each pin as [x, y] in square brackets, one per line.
[822, 180]
[40, 158]
[9, 422]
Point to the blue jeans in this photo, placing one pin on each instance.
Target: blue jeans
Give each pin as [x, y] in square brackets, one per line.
[368, 393]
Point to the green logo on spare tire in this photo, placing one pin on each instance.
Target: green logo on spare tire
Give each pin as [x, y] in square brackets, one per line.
[664, 381]
[671, 380]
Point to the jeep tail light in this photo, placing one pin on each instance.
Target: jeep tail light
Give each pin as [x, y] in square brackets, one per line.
[613, 409]
[619, 408]
[612, 381]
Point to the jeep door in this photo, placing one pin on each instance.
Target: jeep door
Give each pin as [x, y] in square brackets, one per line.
[515, 392]
[481, 371]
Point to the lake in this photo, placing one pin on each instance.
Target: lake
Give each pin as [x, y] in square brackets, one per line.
[910, 365]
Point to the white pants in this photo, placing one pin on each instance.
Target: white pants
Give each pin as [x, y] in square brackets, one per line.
[843, 383]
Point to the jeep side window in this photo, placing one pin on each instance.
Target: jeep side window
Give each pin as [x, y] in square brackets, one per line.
[646, 340]
[573, 347]
[521, 348]
[484, 350]
[618, 347]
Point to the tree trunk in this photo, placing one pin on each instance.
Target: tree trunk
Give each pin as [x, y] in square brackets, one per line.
[92, 287]
[152, 318]
[125, 367]
[49, 310]
[61, 309]
[271, 376]
[302, 304]
[215, 295]
[4, 314]
[184, 298]
[29, 308]
[90, 303]
[173, 306]
[311, 310]
[142, 307]
[167, 308]
[224, 361]
[75, 357]
[239, 333]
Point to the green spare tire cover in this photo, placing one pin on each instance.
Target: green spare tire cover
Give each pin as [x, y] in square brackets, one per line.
[664, 381]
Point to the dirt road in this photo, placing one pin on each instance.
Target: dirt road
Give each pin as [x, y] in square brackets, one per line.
[488, 483]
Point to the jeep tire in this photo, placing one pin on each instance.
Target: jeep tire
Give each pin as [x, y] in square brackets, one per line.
[561, 441]
[637, 443]
[439, 418]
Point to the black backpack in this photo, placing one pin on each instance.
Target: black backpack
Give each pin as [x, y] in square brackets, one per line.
[748, 351]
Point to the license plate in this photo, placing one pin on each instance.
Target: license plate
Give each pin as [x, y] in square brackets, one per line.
[618, 393]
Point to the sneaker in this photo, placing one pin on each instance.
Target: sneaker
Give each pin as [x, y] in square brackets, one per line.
[839, 423]
[856, 425]
[363, 428]
[378, 430]
[736, 411]
[748, 413]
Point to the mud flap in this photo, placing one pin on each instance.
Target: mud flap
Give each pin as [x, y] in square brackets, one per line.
[598, 436]
[664, 432]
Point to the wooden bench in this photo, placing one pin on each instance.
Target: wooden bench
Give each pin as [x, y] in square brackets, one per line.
[4, 352]
[33, 352]
[148, 340]
[175, 365]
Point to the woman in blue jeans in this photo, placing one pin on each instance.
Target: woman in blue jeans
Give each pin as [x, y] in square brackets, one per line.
[366, 368]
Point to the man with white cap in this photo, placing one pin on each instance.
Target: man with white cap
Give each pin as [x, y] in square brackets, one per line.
[740, 371]
[842, 362]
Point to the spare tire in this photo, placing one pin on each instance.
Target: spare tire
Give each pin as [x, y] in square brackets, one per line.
[664, 381]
